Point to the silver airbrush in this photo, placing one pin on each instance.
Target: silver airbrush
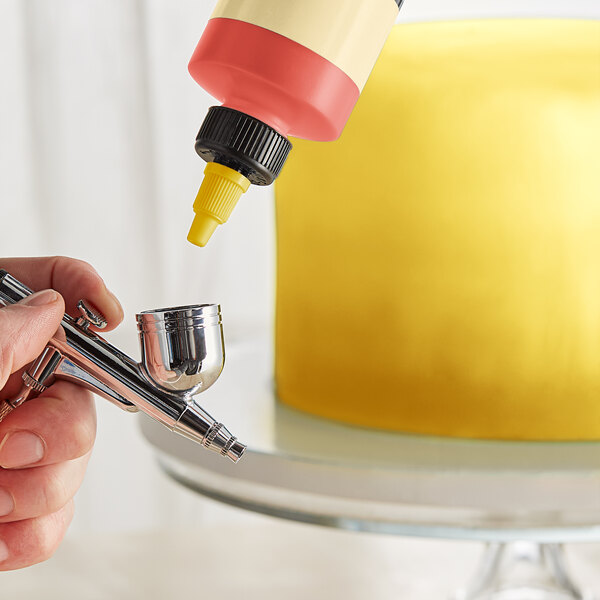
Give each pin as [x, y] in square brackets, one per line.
[182, 354]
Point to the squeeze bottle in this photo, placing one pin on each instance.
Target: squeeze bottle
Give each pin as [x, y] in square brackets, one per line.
[280, 68]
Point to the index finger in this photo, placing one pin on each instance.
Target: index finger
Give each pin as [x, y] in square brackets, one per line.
[75, 280]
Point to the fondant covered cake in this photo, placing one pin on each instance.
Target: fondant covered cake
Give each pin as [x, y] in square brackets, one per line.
[439, 265]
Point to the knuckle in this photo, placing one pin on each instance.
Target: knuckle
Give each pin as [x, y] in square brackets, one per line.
[80, 264]
[61, 266]
[48, 539]
[86, 434]
[84, 438]
[60, 261]
[82, 432]
[71, 411]
[39, 540]
[7, 340]
[31, 541]
[55, 492]
[90, 438]
[3, 367]
[68, 263]
[51, 531]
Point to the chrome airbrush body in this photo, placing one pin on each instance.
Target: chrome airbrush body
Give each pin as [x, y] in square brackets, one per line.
[182, 355]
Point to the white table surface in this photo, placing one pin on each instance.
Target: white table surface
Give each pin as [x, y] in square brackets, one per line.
[261, 559]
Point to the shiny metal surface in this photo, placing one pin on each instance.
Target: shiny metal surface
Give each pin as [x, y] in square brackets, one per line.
[90, 317]
[5, 409]
[185, 345]
[40, 375]
[182, 348]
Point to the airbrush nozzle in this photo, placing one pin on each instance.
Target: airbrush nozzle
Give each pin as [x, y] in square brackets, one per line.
[193, 424]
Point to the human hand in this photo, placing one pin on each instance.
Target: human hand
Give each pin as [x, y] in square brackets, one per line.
[46, 443]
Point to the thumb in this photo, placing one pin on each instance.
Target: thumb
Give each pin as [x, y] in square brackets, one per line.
[26, 328]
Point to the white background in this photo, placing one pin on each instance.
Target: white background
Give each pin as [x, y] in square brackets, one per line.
[98, 117]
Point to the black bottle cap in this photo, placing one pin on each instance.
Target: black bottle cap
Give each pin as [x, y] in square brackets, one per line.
[241, 142]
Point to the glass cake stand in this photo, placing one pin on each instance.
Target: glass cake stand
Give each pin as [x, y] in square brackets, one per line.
[523, 499]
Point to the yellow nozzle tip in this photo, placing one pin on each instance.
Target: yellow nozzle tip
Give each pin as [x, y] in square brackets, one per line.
[202, 228]
[217, 197]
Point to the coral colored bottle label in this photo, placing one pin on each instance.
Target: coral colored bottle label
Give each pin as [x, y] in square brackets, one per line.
[348, 33]
[274, 79]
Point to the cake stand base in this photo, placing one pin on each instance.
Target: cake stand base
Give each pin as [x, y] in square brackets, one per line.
[522, 571]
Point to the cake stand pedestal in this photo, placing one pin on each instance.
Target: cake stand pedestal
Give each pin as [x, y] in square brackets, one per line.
[523, 499]
[522, 571]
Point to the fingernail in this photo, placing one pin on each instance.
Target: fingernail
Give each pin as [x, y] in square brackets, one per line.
[7, 504]
[3, 551]
[20, 449]
[40, 298]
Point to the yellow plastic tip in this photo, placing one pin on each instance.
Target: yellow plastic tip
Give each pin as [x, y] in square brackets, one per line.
[202, 229]
[221, 188]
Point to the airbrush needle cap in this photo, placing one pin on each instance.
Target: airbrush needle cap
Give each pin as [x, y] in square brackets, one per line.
[221, 189]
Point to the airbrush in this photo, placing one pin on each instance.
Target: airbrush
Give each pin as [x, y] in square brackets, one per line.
[182, 355]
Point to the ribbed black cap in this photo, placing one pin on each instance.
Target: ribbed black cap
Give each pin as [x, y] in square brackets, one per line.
[241, 142]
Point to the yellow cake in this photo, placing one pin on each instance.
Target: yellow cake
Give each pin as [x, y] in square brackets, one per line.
[439, 265]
